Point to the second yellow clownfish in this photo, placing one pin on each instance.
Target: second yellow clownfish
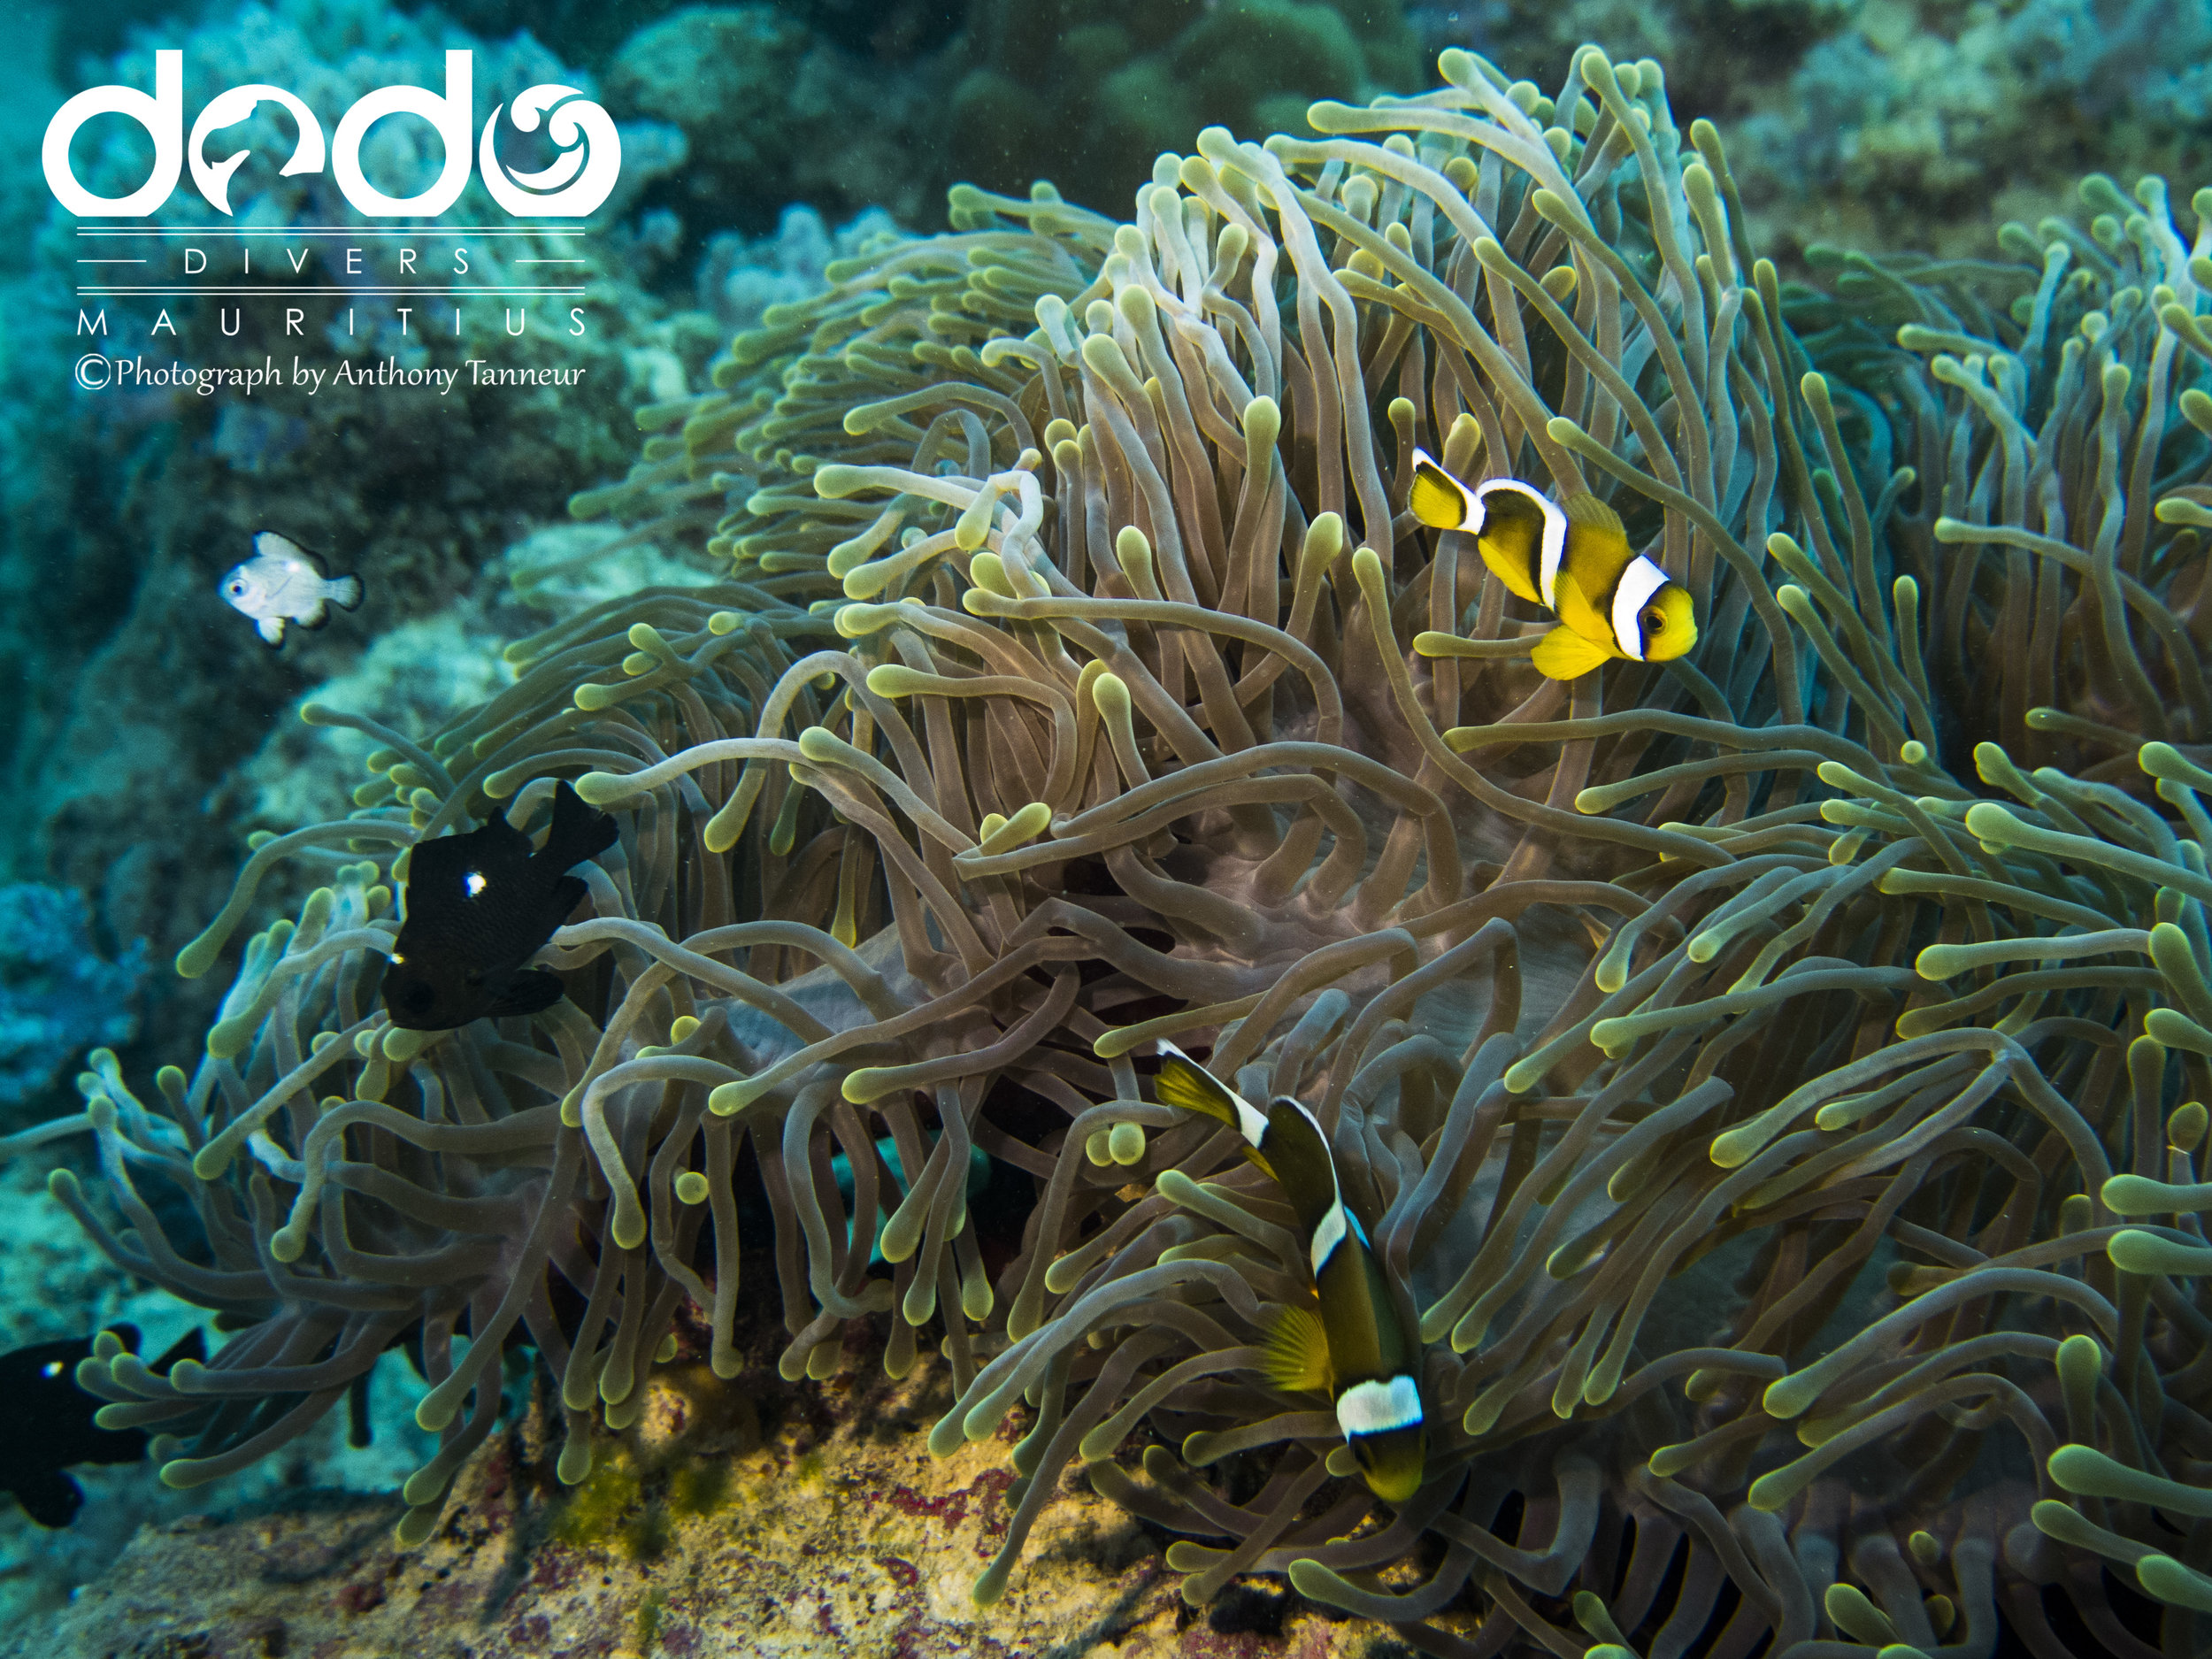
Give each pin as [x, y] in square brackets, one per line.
[1611, 600]
[1350, 1345]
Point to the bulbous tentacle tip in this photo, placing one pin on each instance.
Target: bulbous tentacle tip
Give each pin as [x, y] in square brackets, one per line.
[413, 1529]
[990, 1585]
[948, 1436]
[2169, 1581]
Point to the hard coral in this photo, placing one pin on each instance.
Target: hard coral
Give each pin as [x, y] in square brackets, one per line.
[1914, 110]
[719, 75]
[1775, 1104]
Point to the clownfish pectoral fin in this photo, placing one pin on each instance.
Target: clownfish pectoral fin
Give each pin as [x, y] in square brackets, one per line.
[1437, 498]
[1297, 1359]
[1573, 602]
[1182, 1082]
[1562, 654]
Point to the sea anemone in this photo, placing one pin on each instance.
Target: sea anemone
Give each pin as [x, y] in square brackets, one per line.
[1770, 1078]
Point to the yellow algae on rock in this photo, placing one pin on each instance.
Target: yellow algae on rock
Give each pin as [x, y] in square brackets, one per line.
[874, 1556]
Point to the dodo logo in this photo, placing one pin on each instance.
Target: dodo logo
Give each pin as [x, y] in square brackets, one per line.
[578, 182]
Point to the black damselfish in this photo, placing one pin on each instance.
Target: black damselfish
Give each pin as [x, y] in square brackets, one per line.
[54, 1426]
[479, 907]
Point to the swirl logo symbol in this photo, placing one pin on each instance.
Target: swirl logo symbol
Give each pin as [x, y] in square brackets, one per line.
[581, 176]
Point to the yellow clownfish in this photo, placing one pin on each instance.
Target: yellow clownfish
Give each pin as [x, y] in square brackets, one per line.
[1611, 601]
[1350, 1345]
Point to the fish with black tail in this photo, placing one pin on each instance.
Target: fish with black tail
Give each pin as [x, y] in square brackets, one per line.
[55, 1427]
[479, 907]
[1350, 1345]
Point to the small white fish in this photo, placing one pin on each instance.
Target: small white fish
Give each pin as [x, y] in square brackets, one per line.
[283, 582]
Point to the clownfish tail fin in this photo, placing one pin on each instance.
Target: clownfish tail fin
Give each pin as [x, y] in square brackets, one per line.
[1183, 1083]
[1436, 498]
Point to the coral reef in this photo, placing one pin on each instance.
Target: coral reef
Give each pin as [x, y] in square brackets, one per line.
[1057, 91]
[58, 996]
[146, 738]
[1771, 1080]
[739, 280]
[779, 101]
[771, 112]
[1894, 123]
[724, 1528]
[1890, 128]
[137, 701]
[22, 126]
[1871, 122]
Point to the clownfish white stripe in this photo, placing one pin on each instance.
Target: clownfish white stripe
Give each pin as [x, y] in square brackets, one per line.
[1326, 1237]
[1330, 1232]
[1255, 1127]
[1475, 514]
[1638, 583]
[1554, 550]
[1250, 1124]
[1377, 1408]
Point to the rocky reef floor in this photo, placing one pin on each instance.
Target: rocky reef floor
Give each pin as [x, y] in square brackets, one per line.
[831, 1531]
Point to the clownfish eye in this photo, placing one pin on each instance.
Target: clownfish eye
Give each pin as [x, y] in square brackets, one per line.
[1653, 619]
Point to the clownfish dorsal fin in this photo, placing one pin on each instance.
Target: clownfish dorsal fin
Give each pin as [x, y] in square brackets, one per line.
[1297, 1353]
[1586, 510]
[1183, 1083]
